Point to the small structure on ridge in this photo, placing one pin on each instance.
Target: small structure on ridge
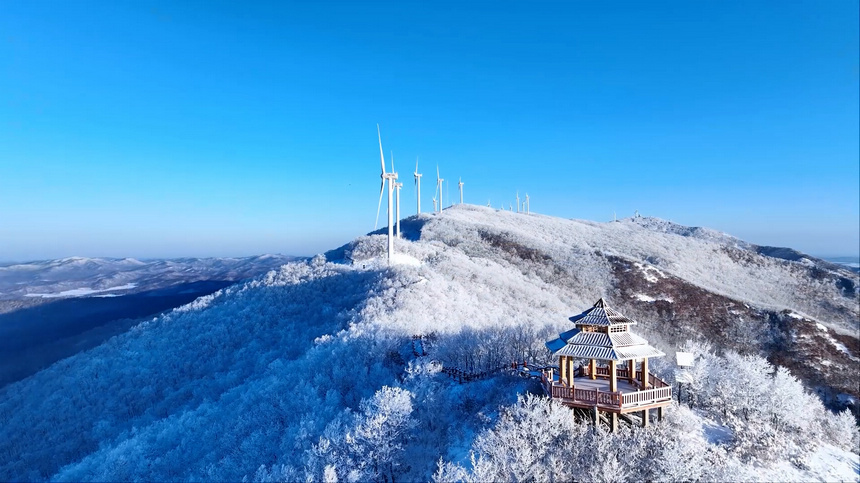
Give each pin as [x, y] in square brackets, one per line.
[615, 378]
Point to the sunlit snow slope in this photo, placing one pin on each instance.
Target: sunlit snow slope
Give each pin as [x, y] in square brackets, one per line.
[252, 375]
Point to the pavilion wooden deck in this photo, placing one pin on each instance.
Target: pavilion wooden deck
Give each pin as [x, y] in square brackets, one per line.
[587, 393]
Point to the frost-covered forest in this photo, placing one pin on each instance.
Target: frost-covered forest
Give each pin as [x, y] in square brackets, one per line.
[311, 371]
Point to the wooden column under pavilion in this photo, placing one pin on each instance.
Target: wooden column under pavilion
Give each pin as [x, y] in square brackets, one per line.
[603, 334]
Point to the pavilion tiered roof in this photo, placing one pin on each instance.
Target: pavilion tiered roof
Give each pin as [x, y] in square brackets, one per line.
[594, 339]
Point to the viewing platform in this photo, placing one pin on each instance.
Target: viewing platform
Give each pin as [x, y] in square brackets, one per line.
[615, 379]
[587, 393]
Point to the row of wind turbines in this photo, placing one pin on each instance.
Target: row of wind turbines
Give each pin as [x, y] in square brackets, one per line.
[523, 207]
[394, 196]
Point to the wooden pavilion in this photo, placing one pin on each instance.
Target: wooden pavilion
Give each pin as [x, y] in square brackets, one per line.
[602, 366]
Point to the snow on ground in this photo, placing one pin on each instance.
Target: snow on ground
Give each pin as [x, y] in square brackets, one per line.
[651, 273]
[715, 433]
[827, 464]
[82, 292]
[404, 259]
[839, 346]
[647, 298]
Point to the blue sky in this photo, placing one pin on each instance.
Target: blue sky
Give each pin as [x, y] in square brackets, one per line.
[208, 128]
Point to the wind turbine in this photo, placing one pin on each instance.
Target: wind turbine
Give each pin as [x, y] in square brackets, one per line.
[417, 184]
[397, 186]
[439, 187]
[488, 204]
[392, 178]
[527, 196]
[518, 201]
[434, 203]
[461, 183]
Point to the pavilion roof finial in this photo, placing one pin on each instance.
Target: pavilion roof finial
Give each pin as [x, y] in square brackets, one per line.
[601, 314]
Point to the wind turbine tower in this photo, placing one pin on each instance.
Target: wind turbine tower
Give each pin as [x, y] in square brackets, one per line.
[417, 185]
[392, 179]
[397, 186]
[439, 187]
[518, 201]
[460, 184]
[527, 204]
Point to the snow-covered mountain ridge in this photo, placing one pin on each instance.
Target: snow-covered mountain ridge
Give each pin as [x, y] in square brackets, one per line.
[76, 276]
[712, 260]
[269, 372]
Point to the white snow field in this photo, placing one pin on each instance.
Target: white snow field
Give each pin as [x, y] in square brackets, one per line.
[310, 371]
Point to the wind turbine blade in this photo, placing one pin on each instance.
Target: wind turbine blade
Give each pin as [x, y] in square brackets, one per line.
[381, 157]
[379, 205]
[416, 164]
[437, 171]
[392, 163]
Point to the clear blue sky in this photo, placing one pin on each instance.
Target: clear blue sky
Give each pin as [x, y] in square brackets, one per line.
[202, 128]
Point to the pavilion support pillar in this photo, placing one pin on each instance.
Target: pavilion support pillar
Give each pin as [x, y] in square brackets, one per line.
[644, 374]
[613, 377]
[660, 413]
[644, 418]
[570, 370]
[613, 422]
[595, 417]
[631, 371]
[592, 369]
[562, 368]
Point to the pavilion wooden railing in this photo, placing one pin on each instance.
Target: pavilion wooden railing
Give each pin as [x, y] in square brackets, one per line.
[562, 390]
[648, 396]
[655, 381]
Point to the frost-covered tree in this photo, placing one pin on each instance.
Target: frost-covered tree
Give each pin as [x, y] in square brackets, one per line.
[382, 429]
[369, 445]
[842, 430]
[538, 439]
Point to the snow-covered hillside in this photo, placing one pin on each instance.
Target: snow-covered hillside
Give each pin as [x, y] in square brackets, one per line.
[312, 369]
